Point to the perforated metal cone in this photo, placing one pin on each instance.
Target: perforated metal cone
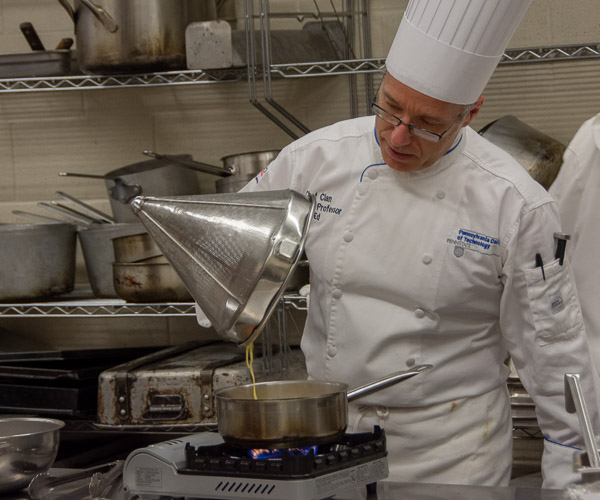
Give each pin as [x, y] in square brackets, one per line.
[234, 252]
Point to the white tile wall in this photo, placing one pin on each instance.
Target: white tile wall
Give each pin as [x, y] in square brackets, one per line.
[96, 131]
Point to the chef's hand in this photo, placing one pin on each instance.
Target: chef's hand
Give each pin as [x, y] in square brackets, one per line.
[203, 321]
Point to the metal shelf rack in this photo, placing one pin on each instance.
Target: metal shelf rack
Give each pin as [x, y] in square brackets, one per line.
[299, 70]
[111, 308]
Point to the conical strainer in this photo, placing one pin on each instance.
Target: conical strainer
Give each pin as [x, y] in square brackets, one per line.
[233, 251]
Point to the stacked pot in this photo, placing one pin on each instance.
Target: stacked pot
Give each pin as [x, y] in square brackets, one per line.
[141, 273]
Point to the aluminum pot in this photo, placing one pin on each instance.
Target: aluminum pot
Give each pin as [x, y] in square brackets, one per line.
[135, 248]
[150, 177]
[293, 413]
[37, 260]
[538, 153]
[153, 282]
[28, 446]
[98, 253]
[237, 170]
[132, 36]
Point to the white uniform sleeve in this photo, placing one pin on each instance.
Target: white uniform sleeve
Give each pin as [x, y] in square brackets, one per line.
[543, 328]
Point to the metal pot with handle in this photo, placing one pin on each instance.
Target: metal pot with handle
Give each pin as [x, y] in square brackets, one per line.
[289, 414]
[538, 153]
[237, 170]
[150, 178]
[129, 36]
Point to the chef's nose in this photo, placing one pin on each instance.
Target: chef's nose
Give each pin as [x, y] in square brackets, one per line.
[401, 135]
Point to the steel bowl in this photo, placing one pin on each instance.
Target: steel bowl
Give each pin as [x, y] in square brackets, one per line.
[28, 446]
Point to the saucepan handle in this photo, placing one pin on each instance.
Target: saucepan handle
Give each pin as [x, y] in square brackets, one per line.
[193, 164]
[386, 381]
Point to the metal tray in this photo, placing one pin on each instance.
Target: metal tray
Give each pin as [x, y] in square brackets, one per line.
[35, 63]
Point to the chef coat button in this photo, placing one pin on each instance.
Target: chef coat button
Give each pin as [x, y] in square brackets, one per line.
[348, 237]
[337, 293]
[331, 351]
[440, 194]
[410, 362]
[363, 188]
[427, 259]
[419, 313]
[372, 174]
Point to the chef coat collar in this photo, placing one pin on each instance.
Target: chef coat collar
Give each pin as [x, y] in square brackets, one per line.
[448, 158]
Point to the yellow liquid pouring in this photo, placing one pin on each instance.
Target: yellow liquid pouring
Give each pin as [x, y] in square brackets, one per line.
[249, 361]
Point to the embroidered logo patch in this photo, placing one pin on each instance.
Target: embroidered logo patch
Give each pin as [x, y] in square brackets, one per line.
[470, 240]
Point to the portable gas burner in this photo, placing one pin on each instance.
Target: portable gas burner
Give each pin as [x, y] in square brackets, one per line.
[203, 466]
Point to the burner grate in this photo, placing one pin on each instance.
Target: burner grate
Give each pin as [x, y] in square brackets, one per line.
[350, 450]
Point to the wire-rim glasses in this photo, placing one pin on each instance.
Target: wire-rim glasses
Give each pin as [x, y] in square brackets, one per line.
[419, 132]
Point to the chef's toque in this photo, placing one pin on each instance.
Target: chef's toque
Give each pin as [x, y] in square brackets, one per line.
[448, 49]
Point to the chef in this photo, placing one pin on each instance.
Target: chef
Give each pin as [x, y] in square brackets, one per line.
[576, 190]
[429, 245]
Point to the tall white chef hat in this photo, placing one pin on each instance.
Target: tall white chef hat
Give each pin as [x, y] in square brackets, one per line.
[448, 49]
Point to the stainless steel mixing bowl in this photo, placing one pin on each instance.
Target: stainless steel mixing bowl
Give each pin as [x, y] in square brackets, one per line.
[28, 446]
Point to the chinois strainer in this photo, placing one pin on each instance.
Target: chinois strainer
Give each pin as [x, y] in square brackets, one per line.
[234, 251]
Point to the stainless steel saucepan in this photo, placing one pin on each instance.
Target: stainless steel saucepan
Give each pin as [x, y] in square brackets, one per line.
[290, 414]
[150, 178]
[237, 170]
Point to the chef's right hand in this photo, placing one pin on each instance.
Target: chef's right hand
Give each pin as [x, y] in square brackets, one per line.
[203, 321]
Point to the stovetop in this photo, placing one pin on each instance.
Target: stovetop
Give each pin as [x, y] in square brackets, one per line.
[203, 466]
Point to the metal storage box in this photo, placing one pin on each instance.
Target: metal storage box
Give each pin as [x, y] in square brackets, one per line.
[176, 386]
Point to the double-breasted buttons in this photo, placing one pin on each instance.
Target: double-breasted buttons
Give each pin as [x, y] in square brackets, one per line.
[419, 313]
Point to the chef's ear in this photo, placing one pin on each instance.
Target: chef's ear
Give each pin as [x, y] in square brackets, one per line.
[473, 110]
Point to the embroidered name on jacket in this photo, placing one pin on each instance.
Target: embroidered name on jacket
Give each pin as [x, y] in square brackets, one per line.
[470, 240]
[324, 205]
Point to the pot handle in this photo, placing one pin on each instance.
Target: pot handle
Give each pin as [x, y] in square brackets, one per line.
[68, 8]
[100, 14]
[194, 165]
[87, 176]
[124, 192]
[384, 382]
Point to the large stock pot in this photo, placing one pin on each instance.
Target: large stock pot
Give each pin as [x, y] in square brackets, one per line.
[132, 36]
[36, 260]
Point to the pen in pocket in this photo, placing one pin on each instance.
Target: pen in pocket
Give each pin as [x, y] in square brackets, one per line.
[561, 243]
[540, 263]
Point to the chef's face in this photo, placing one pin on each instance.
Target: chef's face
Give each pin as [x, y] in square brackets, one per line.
[401, 149]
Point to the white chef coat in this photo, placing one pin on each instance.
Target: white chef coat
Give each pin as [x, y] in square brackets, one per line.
[435, 266]
[577, 192]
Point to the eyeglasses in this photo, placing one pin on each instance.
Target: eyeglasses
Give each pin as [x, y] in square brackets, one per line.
[419, 132]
